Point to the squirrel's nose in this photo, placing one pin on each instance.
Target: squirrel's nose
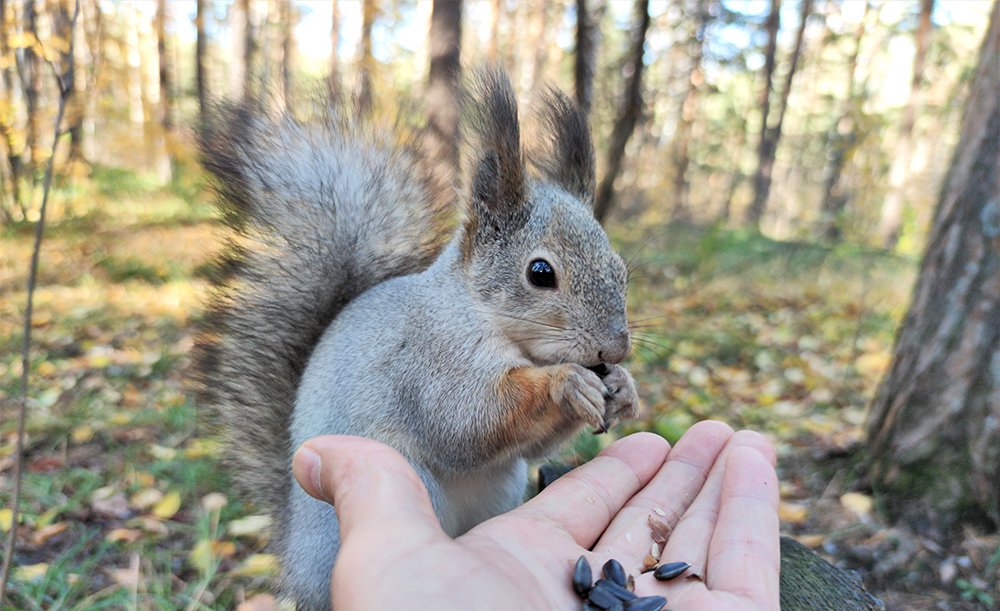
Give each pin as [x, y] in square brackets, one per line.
[615, 350]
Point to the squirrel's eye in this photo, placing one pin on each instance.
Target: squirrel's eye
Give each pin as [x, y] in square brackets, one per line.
[541, 274]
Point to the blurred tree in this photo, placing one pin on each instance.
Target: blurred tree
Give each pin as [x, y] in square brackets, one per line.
[842, 137]
[770, 136]
[628, 113]
[899, 172]
[252, 52]
[366, 61]
[934, 426]
[442, 87]
[30, 69]
[287, 18]
[12, 132]
[201, 59]
[689, 107]
[240, 33]
[334, 79]
[84, 68]
[167, 94]
[587, 32]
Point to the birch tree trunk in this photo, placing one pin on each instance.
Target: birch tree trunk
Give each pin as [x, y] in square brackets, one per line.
[934, 427]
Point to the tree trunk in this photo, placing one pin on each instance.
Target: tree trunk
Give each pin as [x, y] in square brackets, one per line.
[334, 81]
[689, 108]
[892, 210]
[628, 115]
[201, 65]
[771, 136]
[77, 104]
[251, 47]
[366, 62]
[442, 88]
[842, 137]
[31, 76]
[583, 64]
[15, 152]
[934, 426]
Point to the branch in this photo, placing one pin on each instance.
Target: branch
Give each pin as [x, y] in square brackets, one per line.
[65, 91]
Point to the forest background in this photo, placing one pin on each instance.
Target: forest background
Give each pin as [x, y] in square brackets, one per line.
[775, 168]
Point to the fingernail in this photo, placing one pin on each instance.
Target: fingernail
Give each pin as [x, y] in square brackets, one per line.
[312, 465]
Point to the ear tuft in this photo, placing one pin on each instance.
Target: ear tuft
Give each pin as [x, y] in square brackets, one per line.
[498, 184]
[564, 152]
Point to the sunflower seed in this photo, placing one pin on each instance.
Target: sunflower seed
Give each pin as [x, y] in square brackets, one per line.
[670, 570]
[613, 571]
[646, 603]
[582, 577]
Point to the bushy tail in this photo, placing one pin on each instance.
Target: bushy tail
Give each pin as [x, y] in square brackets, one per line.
[320, 213]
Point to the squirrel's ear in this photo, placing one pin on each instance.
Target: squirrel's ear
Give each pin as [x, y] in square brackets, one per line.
[564, 152]
[498, 178]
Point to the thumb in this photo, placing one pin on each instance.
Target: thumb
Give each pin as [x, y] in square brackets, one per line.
[371, 485]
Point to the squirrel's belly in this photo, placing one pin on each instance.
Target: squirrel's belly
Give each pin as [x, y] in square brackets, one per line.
[475, 497]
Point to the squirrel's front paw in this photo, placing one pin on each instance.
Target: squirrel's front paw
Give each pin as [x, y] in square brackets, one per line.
[581, 393]
[622, 400]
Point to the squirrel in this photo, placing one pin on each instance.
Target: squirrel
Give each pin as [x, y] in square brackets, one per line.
[348, 306]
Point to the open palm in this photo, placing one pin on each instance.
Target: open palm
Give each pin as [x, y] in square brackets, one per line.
[716, 489]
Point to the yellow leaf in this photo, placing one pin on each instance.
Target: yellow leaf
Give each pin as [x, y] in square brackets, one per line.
[257, 565]
[127, 535]
[793, 513]
[31, 572]
[120, 418]
[45, 368]
[859, 504]
[145, 498]
[162, 452]
[82, 434]
[6, 519]
[223, 549]
[250, 525]
[168, 506]
[201, 556]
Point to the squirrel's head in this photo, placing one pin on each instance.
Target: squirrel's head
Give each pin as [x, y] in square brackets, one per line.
[533, 251]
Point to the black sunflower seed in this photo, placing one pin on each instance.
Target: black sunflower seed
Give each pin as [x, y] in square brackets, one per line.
[646, 603]
[582, 577]
[616, 590]
[602, 596]
[613, 571]
[668, 571]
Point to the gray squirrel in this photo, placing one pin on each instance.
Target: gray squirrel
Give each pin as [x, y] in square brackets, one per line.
[348, 306]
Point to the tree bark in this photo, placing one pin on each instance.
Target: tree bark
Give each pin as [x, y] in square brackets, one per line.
[628, 115]
[493, 46]
[366, 61]
[442, 88]
[31, 84]
[934, 427]
[688, 111]
[15, 152]
[895, 200]
[166, 72]
[583, 64]
[842, 137]
[288, 17]
[771, 136]
[201, 65]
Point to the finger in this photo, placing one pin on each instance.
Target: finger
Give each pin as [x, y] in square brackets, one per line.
[669, 493]
[371, 485]
[585, 500]
[744, 557]
[690, 539]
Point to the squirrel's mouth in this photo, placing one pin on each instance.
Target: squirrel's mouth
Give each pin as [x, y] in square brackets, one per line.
[601, 369]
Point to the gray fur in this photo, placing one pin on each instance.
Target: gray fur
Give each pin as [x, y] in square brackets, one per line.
[412, 360]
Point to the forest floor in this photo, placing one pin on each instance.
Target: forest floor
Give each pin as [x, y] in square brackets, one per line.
[125, 504]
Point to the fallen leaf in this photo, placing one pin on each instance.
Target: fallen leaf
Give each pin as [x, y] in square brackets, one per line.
[42, 535]
[257, 565]
[109, 503]
[127, 535]
[82, 434]
[214, 501]
[201, 556]
[859, 504]
[793, 513]
[150, 525]
[250, 525]
[258, 602]
[168, 506]
[6, 519]
[811, 540]
[31, 572]
[145, 498]
[162, 452]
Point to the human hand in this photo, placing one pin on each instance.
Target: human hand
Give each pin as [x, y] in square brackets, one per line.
[717, 490]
